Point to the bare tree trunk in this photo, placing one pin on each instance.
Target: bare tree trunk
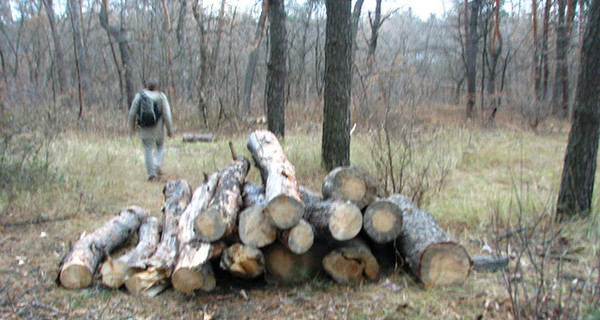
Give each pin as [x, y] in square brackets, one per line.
[58, 54]
[253, 58]
[375, 24]
[356, 19]
[181, 41]
[544, 54]
[495, 50]
[276, 75]
[75, 12]
[560, 94]
[577, 183]
[167, 47]
[471, 56]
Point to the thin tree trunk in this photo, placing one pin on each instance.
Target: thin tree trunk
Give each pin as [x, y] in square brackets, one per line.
[276, 75]
[375, 24]
[544, 54]
[253, 57]
[58, 54]
[471, 55]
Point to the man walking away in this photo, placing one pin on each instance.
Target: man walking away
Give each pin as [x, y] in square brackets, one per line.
[150, 112]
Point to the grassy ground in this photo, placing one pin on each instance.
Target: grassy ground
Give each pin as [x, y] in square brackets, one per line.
[479, 183]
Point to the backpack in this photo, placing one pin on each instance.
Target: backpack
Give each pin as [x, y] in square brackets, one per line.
[148, 113]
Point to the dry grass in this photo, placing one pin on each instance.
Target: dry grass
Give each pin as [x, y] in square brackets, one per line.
[494, 177]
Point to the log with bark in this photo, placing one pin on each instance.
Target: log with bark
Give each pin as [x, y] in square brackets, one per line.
[243, 261]
[189, 272]
[382, 220]
[197, 137]
[220, 217]
[284, 206]
[116, 271]
[78, 266]
[299, 238]
[286, 267]
[254, 228]
[434, 257]
[350, 183]
[332, 218]
[352, 262]
[158, 268]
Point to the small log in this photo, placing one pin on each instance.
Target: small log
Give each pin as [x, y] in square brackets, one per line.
[284, 204]
[434, 257]
[489, 264]
[383, 220]
[286, 267]
[78, 266]
[155, 278]
[254, 227]
[189, 271]
[115, 272]
[198, 137]
[243, 261]
[332, 218]
[299, 238]
[352, 262]
[350, 183]
[220, 217]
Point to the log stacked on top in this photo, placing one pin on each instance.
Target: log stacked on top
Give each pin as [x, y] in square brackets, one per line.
[278, 229]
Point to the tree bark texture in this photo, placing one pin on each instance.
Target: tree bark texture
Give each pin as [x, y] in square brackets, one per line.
[335, 148]
[352, 262]
[78, 266]
[433, 257]
[577, 182]
[284, 206]
[350, 183]
[58, 53]
[220, 217]
[471, 56]
[276, 75]
[116, 271]
[155, 278]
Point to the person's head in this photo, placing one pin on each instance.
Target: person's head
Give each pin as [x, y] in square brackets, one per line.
[151, 84]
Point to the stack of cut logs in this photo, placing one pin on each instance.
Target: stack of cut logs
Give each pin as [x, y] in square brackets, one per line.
[277, 229]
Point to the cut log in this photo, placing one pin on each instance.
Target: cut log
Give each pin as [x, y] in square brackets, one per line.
[489, 264]
[350, 183]
[286, 267]
[284, 207]
[299, 238]
[243, 261]
[115, 272]
[434, 257]
[254, 228]
[78, 266]
[189, 272]
[198, 137]
[155, 278]
[253, 194]
[332, 218]
[383, 220]
[352, 262]
[219, 219]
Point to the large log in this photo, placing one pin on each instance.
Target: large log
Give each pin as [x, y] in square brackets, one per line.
[382, 220]
[155, 278]
[116, 272]
[284, 207]
[434, 257]
[190, 272]
[219, 219]
[352, 262]
[243, 261]
[332, 218]
[78, 266]
[350, 183]
[299, 238]
[286, 267]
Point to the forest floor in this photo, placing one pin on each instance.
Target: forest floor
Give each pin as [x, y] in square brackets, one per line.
[478, 183]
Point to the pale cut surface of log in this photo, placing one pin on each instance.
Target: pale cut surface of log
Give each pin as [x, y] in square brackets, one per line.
[350, 183]
[188, 273]
[155, 278]
[78, 266]
[382, 220]
[115, 271]
[243, 261]
[254, 228]
[434, 257]
[299, 238]
[220, 217]
[339, 219]
[351, 263]
[286, 267]
[284, 204]
[193, 270]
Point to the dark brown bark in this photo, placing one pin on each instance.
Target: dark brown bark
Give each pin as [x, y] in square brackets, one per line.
[78, 266]
[350, 183]
[560, 94]
[284, 206]
[375, 24]
[471, 55]
[544, 54]
[276, 75]
[577, 183]
[352, 262]
[155, 278]
[253, 57]
[58, 53]
[116, 271]
[494, 54]
[335, 150]
[433, 257]
[243, 261]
